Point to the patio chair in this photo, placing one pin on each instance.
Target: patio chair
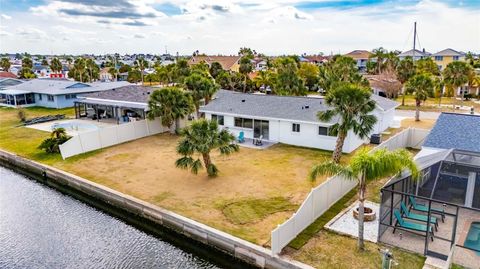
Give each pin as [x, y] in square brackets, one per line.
[410, 225]
[418, 217]
[258, 141]
[241, 137]
[424, 208]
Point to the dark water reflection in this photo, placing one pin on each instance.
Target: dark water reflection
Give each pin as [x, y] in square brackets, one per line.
[42, 228]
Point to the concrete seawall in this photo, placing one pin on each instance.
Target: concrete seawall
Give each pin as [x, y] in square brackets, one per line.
[231, 245]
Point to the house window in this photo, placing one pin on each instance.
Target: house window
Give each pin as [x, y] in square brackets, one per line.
[296, 128]
[438, 58]
[455, 58]
[40, 96]
[218, 119]
[243, 123]
[50, 98]
[322, 130]
[70, 96]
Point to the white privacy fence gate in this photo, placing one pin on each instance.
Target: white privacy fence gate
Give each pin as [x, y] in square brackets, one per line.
[109, 136]
[322, 197]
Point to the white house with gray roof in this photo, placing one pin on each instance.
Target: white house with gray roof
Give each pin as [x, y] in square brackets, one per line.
[53, 93]
[287, 119]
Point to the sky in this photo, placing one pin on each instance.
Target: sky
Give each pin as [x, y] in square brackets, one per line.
[273, 27]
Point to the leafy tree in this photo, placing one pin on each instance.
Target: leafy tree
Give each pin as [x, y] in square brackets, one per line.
[27, 63]
[114, 72]
[404, 71]
[215, 69]
[456, 75]
[56, 65]
[201, 86]
[141, 64]
[288, 82]
[170, 104]
[265, 78]
[353, 106]
[341, 69]
[93, 69]
[44, 62]
[26, 73]
[422, 86]
[309, 74]
[52, 144]
[124, 68]
[5, 64]
[201, 68]
[181, 71]
[224, 79]
[246, 52]
[427, 65]
[199, 139]
[366, 167]
[79, 67]
[134, 76]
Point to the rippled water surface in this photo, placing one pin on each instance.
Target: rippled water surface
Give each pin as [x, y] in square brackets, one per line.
[42, 228]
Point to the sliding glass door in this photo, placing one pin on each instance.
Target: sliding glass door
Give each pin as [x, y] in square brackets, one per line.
[260, 128]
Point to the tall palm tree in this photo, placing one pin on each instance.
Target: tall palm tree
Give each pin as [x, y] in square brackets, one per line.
[438, 85]
[422, 86]
[170, 104]
[404, 71]
[245, 68]
[56, 65]
[199, 139]
[91, 66]
[379, 54]
[365, 167]
[141, 65]
[456, 75]
[202, 87]
[79, 66]
[353, 106]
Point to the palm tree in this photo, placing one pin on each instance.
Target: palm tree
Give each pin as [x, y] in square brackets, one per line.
[352, 104]
[92, 68]
[141, 64]
[422, 86]
[170, 104]
[114, 72]
[378, 54]
[58, 132]
[365, 167]
[52, 144]
[438, 85]
[340, 69]
[202, 88]
[456, 75]
[56, 65]
[5, 64]
[245, 68]
[404, 71]
[201, 138]
[69, 62]
[27, 63]
[79, 66]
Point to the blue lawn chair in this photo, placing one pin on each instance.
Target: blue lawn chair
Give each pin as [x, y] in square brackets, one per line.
[418, 217]
[241, 137]
[424, 208]
[410, 225]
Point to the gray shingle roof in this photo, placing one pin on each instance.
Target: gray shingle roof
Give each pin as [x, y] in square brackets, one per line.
[448, 52]
[418, 53]
[457, 131]
[63, 86]
[278, 107]
[131, 93]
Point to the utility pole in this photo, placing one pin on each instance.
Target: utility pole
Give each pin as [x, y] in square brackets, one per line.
[414, 38]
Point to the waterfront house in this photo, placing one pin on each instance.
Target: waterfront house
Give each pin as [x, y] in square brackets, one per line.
[446, 56]
[416, 55]
[228, 63]
[53, 93]
[287, 119]
[361, 57]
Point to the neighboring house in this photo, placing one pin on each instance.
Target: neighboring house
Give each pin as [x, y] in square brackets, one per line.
[446, 56]
[41, 71]
[417, 55]
[361, 57]
[317, 59]
[7, 82]
[52, 93]
[105, 75]
[15, 69]
[287, 119]
[384, 85]
[5, 74]
[228, 63]
[260, 64]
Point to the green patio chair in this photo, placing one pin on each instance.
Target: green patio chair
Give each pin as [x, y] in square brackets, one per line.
[423, 208]
[410, 225]
[410, 215]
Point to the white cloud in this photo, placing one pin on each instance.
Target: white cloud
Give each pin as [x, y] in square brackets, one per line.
[272, 27]
[5, 17]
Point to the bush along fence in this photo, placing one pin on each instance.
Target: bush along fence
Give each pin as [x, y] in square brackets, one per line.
[322, 197]
[109, 136]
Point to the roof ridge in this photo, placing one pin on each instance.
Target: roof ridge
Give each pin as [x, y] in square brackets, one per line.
[461, 114]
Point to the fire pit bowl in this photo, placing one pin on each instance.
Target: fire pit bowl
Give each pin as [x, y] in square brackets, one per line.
[368, 214]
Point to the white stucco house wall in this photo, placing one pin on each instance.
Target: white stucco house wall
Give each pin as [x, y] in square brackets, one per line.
[287, 119]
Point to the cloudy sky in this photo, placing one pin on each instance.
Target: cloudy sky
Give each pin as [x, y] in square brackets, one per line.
[222, 26]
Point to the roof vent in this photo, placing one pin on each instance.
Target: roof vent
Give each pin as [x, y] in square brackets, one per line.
[148, 92]
[113, 89]
[243, 100]
[307, 107]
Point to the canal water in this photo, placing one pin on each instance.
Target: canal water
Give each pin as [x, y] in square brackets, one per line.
[43, 228]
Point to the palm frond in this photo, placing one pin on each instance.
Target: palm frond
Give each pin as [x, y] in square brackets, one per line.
[330, 168]
[196, 166]
[184, 162]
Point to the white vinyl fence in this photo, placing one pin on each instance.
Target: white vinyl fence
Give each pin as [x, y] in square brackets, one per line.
[322, 197]
[109, 136]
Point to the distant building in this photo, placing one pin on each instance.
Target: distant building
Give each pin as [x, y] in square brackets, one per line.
[361, 57]
[317, 59]
[419, 54]
[105, 76]
[446, 56]
[229, 63]
[5, 74]
[52, 93]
